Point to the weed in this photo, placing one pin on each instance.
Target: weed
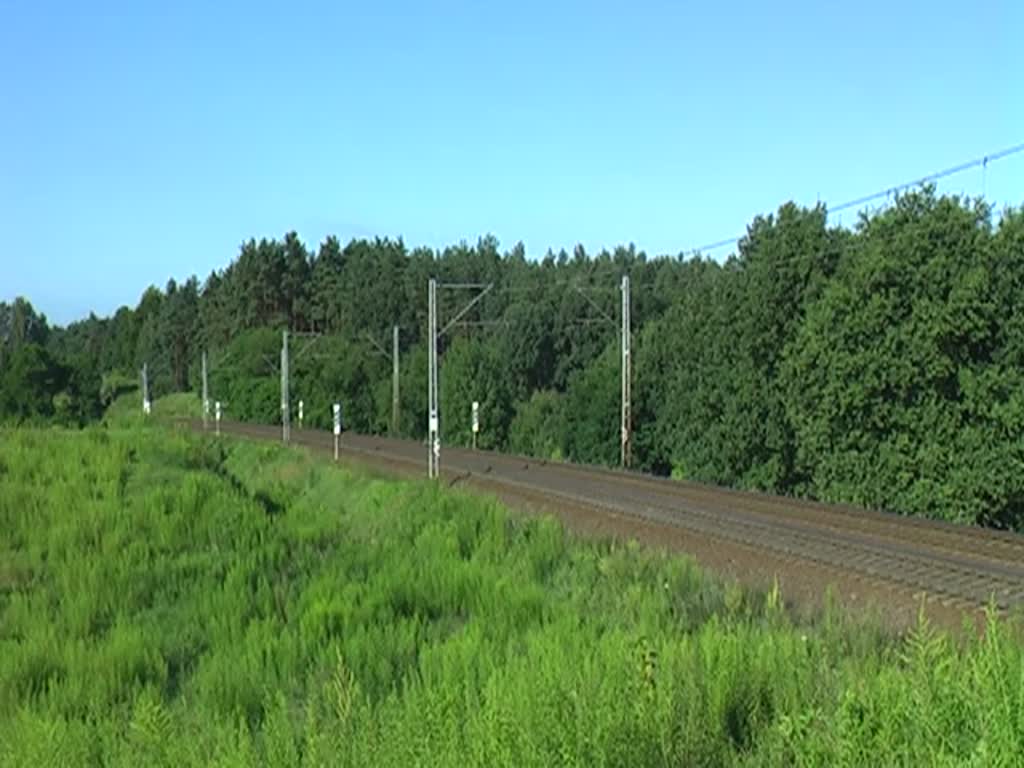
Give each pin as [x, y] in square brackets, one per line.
[172, 600]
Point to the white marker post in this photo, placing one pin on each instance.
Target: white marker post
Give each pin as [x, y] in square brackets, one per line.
[146, 405]
[216, 416]
[476, 421]
[300, 414]
[434, 448]
[337, 428]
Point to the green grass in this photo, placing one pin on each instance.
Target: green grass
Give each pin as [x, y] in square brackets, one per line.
[170, 600]
[126, 410]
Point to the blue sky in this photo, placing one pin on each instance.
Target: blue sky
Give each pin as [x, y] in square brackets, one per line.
[137, 145]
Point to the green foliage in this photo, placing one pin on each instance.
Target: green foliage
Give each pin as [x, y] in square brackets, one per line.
[339, 370]
[475, 371]
[126, 410]
[538, 428]
[167, 600]
[29, 383]
[115, 384]
[720, 414]
[880, 366]
[896, 386]
[592, 405]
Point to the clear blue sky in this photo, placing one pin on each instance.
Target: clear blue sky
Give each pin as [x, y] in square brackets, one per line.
[136, 145]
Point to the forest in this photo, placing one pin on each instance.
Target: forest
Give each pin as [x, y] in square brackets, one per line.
[880, 365]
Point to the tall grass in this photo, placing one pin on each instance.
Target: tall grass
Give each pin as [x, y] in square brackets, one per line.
[168, 600]
[126, 410]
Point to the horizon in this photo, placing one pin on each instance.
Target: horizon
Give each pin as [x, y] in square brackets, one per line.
[718, 253]
[148, 146]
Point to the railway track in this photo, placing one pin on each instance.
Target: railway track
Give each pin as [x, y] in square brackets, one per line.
[963, 567]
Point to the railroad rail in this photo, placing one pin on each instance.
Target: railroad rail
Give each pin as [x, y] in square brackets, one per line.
[966, 567]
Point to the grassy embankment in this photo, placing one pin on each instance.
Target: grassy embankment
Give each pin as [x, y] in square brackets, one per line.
[169, 600]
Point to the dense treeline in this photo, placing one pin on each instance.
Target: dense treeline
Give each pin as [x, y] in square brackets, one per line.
[881, 366]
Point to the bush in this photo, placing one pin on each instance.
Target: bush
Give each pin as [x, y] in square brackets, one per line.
[167, 600]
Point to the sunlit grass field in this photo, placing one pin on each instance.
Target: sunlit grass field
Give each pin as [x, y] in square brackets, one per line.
[167, 599]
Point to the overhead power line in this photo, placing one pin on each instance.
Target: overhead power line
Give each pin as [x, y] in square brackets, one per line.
[982, 161]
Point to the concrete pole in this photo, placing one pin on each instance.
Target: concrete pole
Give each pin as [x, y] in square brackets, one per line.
[626, 455]
[434, 417]
[394, 382]
[206, 396]
[286, 426]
